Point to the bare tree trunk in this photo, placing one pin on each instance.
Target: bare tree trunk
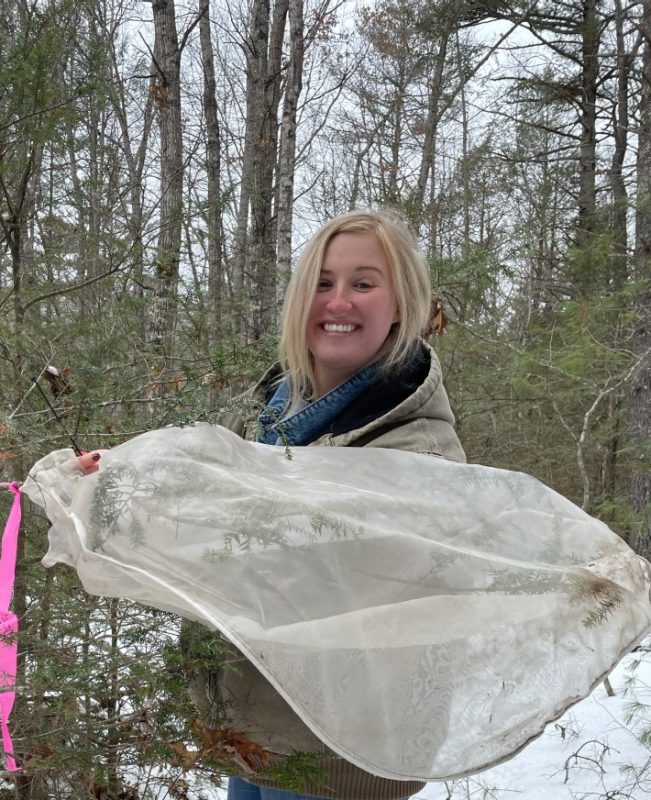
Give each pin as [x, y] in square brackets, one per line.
[610, 449]
[241, 256]
[255, 240]
[431, 127]
[266, 69]
[590, 38]
[167, 89]
[213, 169]
[392, 192]
[135, 164]
[465, 172]
[287, 157]
[135, 159]
[87, 202]
[113, 782]
[619, 269]
[640, 419]
[620, 133]
[246, 246]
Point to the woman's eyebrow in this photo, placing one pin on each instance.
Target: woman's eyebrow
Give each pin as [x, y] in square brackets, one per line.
[356, 269]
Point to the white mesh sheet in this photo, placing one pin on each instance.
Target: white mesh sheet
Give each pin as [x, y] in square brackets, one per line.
[424, 618]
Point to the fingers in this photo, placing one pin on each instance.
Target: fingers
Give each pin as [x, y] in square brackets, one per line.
[89, 462]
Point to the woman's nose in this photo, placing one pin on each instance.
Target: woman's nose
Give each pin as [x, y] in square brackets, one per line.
[338, 302]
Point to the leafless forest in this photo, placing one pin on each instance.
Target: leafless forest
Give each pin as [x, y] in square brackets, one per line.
[161, 164]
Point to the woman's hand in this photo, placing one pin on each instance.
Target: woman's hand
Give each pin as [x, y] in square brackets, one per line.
[89, 462]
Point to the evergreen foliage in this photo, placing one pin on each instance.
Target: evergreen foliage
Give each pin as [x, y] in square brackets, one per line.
[478, 139]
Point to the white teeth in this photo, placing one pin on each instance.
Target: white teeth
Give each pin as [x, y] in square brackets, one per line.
[330, 327]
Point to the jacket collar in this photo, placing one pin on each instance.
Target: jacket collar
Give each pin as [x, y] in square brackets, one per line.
[385, 394]
[306, 424]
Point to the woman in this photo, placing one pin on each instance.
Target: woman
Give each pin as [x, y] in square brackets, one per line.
[353, 368]
[426, 618]
[353, 371]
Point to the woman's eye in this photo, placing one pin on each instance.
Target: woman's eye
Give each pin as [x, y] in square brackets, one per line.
[364, 285]
[323, 285]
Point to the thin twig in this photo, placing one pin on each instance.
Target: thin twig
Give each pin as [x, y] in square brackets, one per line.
[27, 393]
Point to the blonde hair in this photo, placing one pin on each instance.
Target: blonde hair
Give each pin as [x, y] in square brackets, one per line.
[411, 284]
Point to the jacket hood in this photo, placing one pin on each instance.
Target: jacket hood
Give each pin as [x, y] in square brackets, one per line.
[405, 409]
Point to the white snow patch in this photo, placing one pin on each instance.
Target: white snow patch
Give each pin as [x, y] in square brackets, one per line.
[584, 755]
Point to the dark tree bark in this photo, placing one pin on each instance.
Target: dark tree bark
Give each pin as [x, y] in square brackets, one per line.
[587, 201]
[640, 420]
[287, 157]
[255, 274]
[431, 127]
[134, 153]
[266, 69]
[213, 170]
[619, 271]
[167, 91]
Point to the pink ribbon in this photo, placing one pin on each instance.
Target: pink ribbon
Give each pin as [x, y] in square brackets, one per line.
[8, 624]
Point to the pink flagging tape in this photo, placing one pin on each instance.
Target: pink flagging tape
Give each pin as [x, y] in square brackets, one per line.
[8, 624]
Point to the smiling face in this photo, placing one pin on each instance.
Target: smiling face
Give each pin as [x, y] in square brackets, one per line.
[352, 310]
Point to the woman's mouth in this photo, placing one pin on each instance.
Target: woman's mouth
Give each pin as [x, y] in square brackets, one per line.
[338, 327]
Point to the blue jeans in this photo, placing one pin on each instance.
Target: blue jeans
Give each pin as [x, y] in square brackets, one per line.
[239, 789]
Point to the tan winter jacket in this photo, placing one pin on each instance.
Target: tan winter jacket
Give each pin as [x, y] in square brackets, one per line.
[421, 422]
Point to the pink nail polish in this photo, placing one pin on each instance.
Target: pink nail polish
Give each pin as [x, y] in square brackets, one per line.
[96, 456]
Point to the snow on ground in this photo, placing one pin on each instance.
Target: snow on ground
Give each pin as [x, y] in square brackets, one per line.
[583, 755]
